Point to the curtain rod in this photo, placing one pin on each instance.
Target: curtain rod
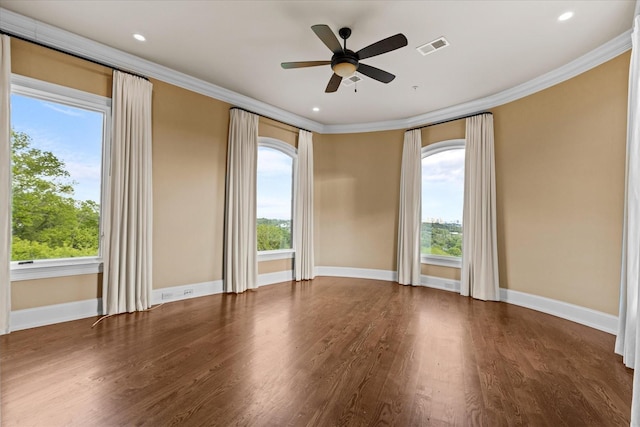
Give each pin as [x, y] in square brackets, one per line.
[267, 117]
[75, 55]
[450, 120]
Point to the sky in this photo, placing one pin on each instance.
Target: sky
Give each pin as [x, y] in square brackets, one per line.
[442, 185]
[72, 134]
[274, 184]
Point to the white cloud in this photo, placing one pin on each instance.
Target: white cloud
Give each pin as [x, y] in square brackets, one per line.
[273, 162]
[445, 167]
[68, 111]
[81, 171]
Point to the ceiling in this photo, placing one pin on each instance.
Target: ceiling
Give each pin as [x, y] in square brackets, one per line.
[239, 45]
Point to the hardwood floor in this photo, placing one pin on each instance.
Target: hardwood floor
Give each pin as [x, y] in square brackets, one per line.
[335, 351]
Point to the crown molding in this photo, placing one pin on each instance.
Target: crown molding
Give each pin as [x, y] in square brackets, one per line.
[31, 29]
[48, 35]
[598, 56]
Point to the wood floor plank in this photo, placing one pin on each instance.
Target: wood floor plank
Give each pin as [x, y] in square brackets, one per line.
[333, 351]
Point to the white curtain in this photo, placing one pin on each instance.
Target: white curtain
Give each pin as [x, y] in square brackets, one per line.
[240, 248]
[128, 230]
[303, 212]
[627, 337]
[410, 210]
[5, 183]
[479, 276]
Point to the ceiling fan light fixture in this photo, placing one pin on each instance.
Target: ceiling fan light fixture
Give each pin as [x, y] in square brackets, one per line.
[344, 69]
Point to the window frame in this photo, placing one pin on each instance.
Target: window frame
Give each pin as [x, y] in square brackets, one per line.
[426, 151]
[61, 267]
[291, 151]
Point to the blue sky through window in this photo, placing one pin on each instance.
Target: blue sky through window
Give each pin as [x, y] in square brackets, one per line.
[274, 184]
[443, 186]
[73, 135]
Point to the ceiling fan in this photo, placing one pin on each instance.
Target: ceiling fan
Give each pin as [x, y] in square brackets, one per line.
[345, 62]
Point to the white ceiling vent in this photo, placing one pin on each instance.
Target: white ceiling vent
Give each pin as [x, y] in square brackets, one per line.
[348, 81]
[432, 46]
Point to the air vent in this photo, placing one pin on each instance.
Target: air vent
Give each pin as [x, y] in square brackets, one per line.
[348, 81]
[432, 46]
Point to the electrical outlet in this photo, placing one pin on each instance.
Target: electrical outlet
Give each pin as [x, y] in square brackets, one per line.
[188, 292]
[166, 295]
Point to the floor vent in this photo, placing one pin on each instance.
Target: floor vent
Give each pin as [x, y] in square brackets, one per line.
[432, 46]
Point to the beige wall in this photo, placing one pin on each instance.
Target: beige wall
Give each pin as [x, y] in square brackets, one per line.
[357, 179]
[273, 129]
[189, 161]
[40, 63]
[560, 161]
[56, 290]
[559, 171]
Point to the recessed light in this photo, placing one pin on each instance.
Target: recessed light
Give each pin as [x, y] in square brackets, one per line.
[139, 37]
[316, 109]
[565, 16]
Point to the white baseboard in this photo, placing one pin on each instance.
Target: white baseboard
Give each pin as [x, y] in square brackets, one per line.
[50, 314]
[360, 273]
[177, 293]
[57, 313]
[277, 277]
[585, 316]
[440, 283]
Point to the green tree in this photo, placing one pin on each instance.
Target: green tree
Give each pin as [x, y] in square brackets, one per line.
[47, 222]
[441, 239]
[273, 234]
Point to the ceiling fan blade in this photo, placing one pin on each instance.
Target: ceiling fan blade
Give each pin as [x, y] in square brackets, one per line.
[334, 83]
[383, 46]
[303, 64]
[375, 73]
[325, 34]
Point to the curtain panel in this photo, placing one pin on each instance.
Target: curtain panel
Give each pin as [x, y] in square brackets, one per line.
[410, 210]
[5, 183]
[479, 276]
[303, 212]
[240, 247]
[627, 336]
[129, 226]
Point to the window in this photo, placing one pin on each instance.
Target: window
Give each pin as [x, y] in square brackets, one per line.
[442, 199]
[274, 198]
[58, 137]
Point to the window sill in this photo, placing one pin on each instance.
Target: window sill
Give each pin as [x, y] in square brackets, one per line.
[274, 255]
[442, 261]
[45, 269]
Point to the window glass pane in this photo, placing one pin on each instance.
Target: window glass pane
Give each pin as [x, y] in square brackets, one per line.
[56, 166]
[273, 196]
[442, 198]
